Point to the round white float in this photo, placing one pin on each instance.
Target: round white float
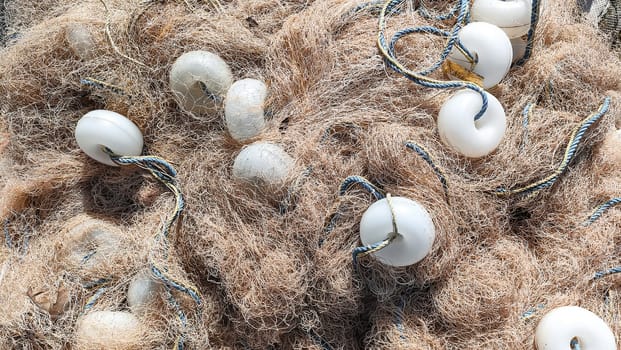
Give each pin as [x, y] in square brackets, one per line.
[512, 16]
[416, 231]
[198, 79]
[492, 47]
[559, 327]
[243, 109]
[143, 289]
[108, 330]
[262, 161]
[100, 128]
[459, 130]
[80, 40]
[91, 242]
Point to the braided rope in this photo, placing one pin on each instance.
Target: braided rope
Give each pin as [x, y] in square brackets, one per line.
[93, 299]
[96, 283]
[531, 312]
[424, 154]
[319, 340]
[7, 235]
[600, 210]
[359, 180]
[420, 77]
[526, 114]
[100, 84]
[360, 252]
[166, 174]
[399, 318]
[575, 344]
[534, 20]
[602, 274]
[574, 141]
[343, 188]
[180, 340]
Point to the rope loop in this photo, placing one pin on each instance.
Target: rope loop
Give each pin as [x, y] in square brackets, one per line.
[363, 251]
[388, 53]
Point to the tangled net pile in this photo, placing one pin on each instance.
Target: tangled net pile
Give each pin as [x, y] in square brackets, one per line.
[270, 277]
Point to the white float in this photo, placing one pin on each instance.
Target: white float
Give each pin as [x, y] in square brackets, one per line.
[559, 327]
[460, 131]
[243, 109]
[80, 40]
[90, 242]
[491, 46]
[512, 16]
[100, 128]
[108, 330]
[262, 161]
[416, 231]
[142, 290]
[198, 79]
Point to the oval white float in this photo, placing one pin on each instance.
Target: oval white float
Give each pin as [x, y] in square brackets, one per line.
[199, 79]
[100, 128]
[90, 242]
[416, 231]
[142, 290]
[108, 330]
[243, 109]
[559, 327]
[459, 130]
[80, 40]
[512, 16]
[492, 47]
[263, 161]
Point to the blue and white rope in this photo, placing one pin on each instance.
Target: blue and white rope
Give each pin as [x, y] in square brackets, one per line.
[600, 210]
[574, 141]
[364, 183]
[93, 299]
[602, 274]
[525, 121]
[7, 235]
[166, 174]
[420, 77]
[534, 20]
[424, 154]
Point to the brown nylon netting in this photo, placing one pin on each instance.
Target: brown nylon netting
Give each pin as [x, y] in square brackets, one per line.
[264, 279]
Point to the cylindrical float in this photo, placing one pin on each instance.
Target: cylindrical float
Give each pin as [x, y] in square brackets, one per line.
[244, 108]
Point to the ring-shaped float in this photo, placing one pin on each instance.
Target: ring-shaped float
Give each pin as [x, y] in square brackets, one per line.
[416, 231]
[199, 80]
[101, 128]
[492, 49]
[559, 327]
[512, 16]
[472, 138]
[244, 109]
